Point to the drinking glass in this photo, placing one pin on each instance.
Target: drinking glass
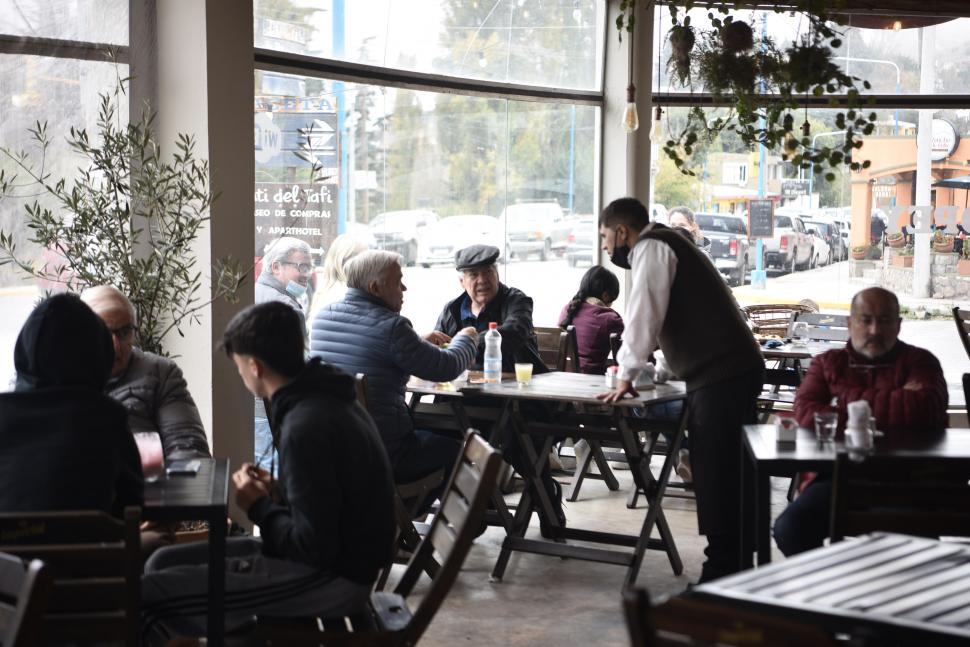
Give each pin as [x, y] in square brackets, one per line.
[149, 446]
[825, 425]
[523, 373]
[799, 333]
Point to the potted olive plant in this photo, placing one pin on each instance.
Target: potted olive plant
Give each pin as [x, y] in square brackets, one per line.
[129, 217]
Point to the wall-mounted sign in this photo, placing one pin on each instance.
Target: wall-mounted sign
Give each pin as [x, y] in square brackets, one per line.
[945, 139]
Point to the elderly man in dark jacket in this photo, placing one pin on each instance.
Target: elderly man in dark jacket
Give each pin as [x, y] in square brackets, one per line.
[903, 384]
[64, 445]
[365, 333]
[149, 386]
[486, 299]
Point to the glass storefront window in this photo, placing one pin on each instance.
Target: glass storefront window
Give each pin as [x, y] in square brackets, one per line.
[529, 42]
[94, 21]
[425, 174]
[63, 93]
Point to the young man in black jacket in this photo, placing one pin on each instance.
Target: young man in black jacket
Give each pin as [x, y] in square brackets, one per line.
[326, 527]
[64, 444]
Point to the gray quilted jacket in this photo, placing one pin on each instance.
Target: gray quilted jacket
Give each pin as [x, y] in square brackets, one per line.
[362, 335]
[157, 398]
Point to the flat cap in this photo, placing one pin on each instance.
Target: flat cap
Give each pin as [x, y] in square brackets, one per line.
[476, 256]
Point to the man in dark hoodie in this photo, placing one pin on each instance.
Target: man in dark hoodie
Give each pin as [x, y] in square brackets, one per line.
[64, 444]
[326, 526]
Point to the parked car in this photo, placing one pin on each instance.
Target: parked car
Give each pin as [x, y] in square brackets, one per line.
[440, 241]
[400, 231]
[791, 248]
[829, 232]
[730, 249]
[582, 242]
[821, 251]
[534, 228]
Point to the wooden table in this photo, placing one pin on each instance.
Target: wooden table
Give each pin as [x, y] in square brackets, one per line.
[203, 496]
[581, 415]
[889, 589]
[766, 458]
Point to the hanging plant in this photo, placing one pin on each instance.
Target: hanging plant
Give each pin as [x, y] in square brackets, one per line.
[763, 84]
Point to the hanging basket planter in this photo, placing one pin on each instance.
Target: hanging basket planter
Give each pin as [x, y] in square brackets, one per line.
[762, 83]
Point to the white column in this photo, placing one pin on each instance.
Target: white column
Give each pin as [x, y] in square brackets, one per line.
[924, 177]
[625, 168]
[205, 87]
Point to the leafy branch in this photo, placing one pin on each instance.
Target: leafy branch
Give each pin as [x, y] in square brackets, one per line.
[764, 85]
[129, 218]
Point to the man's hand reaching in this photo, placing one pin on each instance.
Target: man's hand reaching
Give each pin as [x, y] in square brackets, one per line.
[437, 337]
[622, 388]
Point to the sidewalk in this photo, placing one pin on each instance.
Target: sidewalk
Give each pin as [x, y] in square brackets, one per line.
[831, 287]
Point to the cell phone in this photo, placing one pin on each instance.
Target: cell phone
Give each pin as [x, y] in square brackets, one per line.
[183, 468]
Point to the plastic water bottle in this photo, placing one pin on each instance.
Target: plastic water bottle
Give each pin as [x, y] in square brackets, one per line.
[493, 354]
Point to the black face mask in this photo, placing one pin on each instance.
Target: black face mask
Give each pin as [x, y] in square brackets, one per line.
[621, 256]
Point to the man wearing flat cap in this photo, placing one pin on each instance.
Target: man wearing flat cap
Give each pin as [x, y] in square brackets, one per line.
[486, 299]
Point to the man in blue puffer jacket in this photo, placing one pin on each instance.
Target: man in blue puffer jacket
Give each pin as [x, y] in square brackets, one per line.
[365, 333]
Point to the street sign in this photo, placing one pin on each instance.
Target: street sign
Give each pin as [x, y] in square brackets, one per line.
[268, 137]
[761, 219]
[791, 189]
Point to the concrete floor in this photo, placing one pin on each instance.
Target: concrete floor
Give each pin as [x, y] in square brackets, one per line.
[549, 601]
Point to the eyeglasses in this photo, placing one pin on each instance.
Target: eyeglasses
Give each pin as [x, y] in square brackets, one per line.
[304, 268]
[122, 333]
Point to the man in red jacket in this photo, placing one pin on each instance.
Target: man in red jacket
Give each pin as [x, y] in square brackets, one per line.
[903, 384]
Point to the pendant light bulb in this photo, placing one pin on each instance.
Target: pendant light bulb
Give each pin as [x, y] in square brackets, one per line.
[631, 121]
[656, 128]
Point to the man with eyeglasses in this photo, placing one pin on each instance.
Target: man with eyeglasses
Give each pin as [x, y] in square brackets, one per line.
[287, 267]
[150, 387]
[285, 278]
[903, 384]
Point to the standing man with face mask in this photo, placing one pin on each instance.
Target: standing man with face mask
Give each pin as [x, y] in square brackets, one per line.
[679, 303]
[286, 274]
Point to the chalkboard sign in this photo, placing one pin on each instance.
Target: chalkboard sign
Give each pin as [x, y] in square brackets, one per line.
[761, 219]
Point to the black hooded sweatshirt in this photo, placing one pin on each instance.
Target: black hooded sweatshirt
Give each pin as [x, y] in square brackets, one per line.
[64, 445]
[336, 488]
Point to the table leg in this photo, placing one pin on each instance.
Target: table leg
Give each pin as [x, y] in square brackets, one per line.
[217, 579]
[653, 489]
[762, 486]
[596, 451]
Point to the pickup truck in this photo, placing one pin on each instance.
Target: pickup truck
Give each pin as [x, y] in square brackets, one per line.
[791, 248]
[730, 250]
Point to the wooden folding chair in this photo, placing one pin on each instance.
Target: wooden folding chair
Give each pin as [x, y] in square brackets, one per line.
[390, 620]
[95, 563]
[24, 590]
[409, 534]
[689, 621]
[557, 348]
[823, 326]
[912, 495]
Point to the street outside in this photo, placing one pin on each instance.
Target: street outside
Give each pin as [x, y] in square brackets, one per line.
[552, 283]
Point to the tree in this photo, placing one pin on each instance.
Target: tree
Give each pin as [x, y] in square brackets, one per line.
[129, 218]
[673, 188]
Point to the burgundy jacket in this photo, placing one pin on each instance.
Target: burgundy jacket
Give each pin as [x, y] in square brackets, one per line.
[594, 324]
[849, 376]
